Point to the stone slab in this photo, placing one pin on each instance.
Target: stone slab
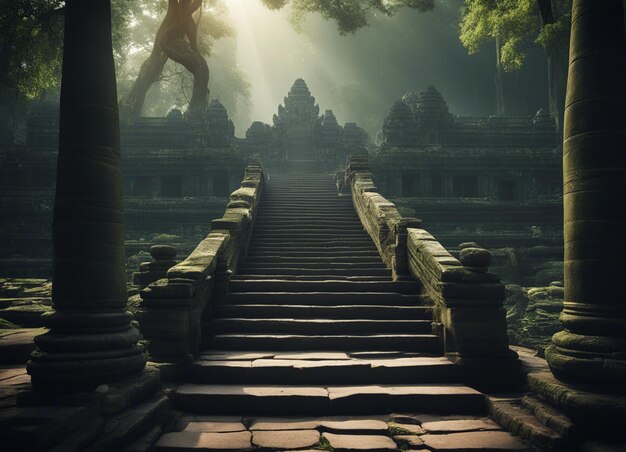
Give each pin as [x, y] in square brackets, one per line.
[258, 391]
[236, 356]
[236, 399]
[409, 440]
[463, 425]
[353, 425]
[189, 441]
[281, 439]
[273, 423]
[408, 362]
[336, 392]
[312, 355]
[345, 443]
[17, 345]
[412, 428]
[334, 423]
[214, 426]
[13, 375]
[469, 441]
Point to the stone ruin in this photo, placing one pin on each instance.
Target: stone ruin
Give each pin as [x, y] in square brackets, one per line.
[301, 136]
[177, 173]
[496, 180]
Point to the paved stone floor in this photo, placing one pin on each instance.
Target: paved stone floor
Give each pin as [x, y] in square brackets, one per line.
[395, 432]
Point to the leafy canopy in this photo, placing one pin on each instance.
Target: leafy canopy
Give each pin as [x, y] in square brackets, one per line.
[516, 24]
[350, 15]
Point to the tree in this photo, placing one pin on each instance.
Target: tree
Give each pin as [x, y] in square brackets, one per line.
[31, 48]
[350, 15]
[176, 38]
[516, 24]
[509, 23]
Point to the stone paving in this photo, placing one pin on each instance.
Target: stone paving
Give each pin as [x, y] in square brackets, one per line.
[395, 432]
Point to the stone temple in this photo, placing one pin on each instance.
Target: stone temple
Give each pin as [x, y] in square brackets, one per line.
[315, 313]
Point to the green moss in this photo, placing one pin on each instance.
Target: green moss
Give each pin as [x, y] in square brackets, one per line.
[324, 445]
[395, 430]
[6, 325]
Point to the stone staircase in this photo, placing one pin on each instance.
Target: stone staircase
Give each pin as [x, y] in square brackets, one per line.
[313, 323]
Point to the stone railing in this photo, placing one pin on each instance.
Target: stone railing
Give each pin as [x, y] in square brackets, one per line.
[467, 300]
[174, 308]
[379, 217]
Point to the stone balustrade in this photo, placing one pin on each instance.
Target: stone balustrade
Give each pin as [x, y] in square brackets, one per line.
[380, 218]
[175, 307]
[466, 299]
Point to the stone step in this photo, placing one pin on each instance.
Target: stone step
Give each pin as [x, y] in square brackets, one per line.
[319, 400]
[312, 246]
[320, 199]
[307, 234]
[318, 277]
[425, 343]
[270, 253]
[278, 214]
[323, 298]
[515, 417]
[324, 260]
[329, 209]
[331, 219]
[413, 370]
[278, 285]
[319, 326]
[345, 311]
[310, 249]
[307, 242]
[314, 272]
[317, 264]
[261, 225]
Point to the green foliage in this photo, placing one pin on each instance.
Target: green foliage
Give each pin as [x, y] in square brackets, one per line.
[30, 45]
[394, 430]
[511, 22]
[350, 15]
[324, 444]
[555, 35]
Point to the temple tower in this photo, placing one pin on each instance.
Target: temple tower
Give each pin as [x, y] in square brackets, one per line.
[299, 118]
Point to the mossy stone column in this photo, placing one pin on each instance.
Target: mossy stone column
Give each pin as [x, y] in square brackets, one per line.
[592, 349]
[90, 341]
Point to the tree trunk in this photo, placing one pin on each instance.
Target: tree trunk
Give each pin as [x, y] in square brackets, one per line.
[557, 67]
[176, 39]
[500, 105]
[8, 92]
[556, 85]
[150, 72]
[180, 51]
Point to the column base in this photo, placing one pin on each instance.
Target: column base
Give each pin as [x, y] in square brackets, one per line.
[83, 350]
[108, 399]
[599, 413]
[587, 367]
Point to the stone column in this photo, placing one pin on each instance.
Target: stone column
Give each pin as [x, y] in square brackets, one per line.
[90, 341]
[592, 349]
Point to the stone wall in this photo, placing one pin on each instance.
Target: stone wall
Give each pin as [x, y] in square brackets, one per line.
[494, 180]
[177, 175]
